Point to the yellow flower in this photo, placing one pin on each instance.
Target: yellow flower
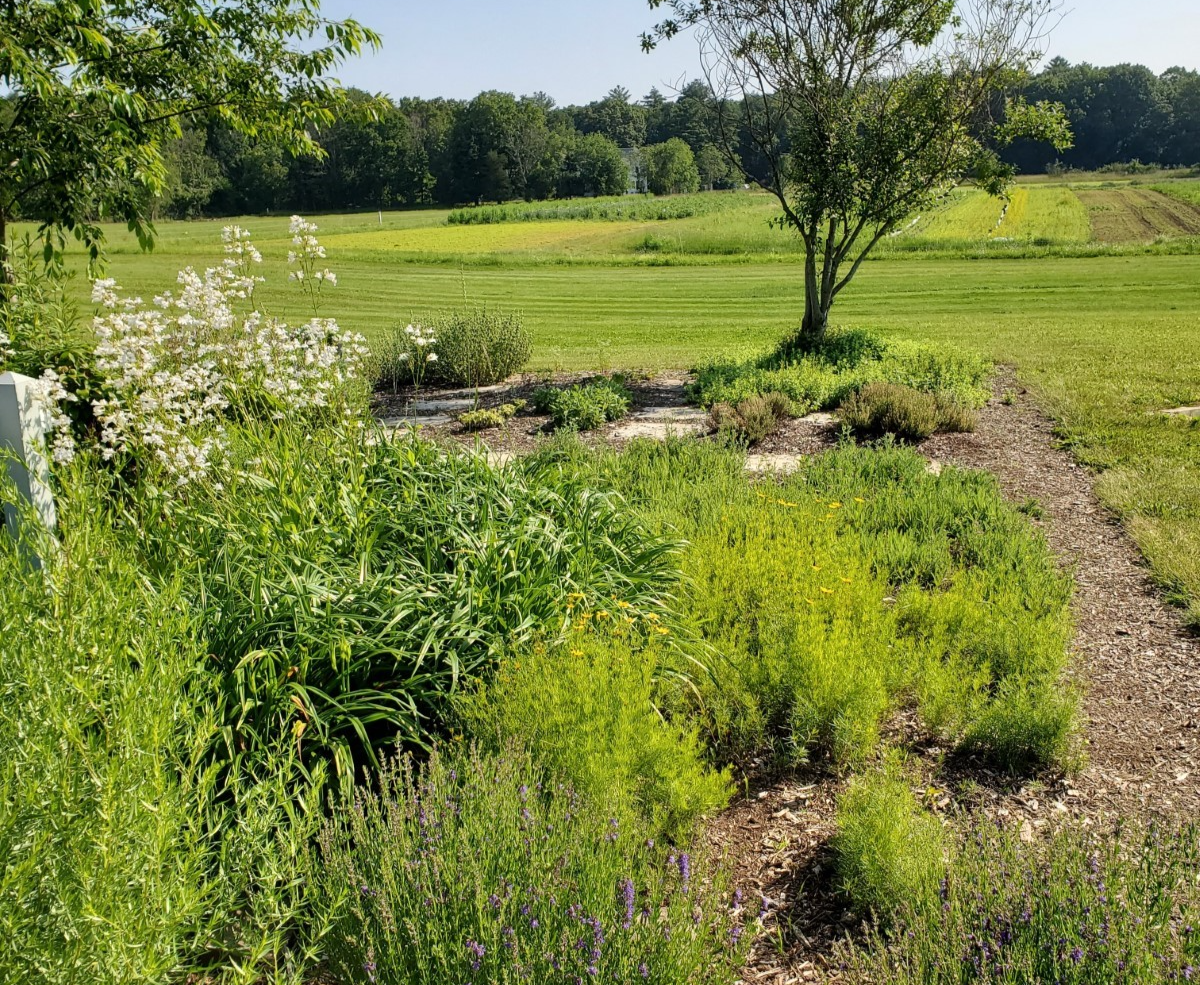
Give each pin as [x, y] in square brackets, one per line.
[602, 614]
[835, 506]
[662, 630]
[810, 601]
[651, 617]
[577, 653]
[826, 591]
[859, 499]
[847, 580]
[622, 605]
[816, 567]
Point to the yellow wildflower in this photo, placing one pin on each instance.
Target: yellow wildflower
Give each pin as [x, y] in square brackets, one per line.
[826, 591]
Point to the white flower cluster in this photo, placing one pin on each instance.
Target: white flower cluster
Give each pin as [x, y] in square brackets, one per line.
[6, 352]
[305, 257]
[50, 397]
[423, 345]
[175, 372]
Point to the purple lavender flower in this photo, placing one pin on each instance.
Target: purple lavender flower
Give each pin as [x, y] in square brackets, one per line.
[1076, 954]
[627, 896]
[477, 951]
[369, 968]
[643, 970]
[685, 870]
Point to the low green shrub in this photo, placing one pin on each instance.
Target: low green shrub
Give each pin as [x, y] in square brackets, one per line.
[752, 420]
[1080, 908]
[857, 585]
[889, 851]
[844, 363]
[480, 868]
[490, 417]
[477, 347]
[586, 406]
[585, 710]
[350, 585]
[906, 414]
[885, 408]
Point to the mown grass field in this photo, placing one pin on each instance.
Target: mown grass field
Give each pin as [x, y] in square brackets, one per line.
[1105, 340]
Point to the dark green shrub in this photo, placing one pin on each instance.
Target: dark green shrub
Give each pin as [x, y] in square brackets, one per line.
[587, 406]
[490, 417]
[884, 408]
[889, 851]
[585, 710]
[487, 869]
[477, 347]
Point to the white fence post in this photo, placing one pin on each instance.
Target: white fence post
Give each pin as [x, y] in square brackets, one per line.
[24, 422]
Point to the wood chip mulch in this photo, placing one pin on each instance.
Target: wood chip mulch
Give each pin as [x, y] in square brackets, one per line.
[1138, 666]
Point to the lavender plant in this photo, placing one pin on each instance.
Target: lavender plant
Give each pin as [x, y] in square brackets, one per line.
[473, 869]
[1082, 908]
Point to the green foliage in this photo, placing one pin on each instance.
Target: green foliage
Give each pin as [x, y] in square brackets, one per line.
[822, 377]
[858, 585]
[350, 585]
[490, 417]
[885, 408]
[1081, 907]
[478, 868]
[477, 347]
[889, 851]
[670, 168]
[91, 104]
[586, 406]
[125, 858]
[585, 711]
[752, 420]
[593, 166]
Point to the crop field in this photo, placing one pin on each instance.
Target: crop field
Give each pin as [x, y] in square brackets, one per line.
[1122, 215]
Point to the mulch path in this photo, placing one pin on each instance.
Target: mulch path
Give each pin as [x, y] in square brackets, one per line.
[1138, 666]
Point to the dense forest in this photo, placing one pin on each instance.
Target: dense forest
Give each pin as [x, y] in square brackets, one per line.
[495, 147]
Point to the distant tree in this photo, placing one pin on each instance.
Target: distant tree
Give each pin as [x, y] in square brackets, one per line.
[670, 168]
[864, 111]
[622, 122]
[715, 168]
[193, 175]
[593, 166]
[98, 89]
[1181, 144]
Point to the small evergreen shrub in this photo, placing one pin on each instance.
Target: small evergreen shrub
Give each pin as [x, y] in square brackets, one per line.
[753, 420]
[586, 406]
[479, 868]
[477, 347]
[885, 408]
[954, 416]
[585, 709]
[889, 851]
[490, 417]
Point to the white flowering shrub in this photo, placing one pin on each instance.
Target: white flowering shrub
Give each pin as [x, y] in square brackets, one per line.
[6, 350]
[174, 372]
[404, 355]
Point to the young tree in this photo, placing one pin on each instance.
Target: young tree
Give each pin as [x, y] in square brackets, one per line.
[864, 112]
[670, 168]
[97, 89]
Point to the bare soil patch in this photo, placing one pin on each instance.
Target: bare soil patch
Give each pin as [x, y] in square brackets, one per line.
[1129, 215]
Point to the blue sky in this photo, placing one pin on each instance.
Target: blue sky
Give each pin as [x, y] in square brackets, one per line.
[576, 50]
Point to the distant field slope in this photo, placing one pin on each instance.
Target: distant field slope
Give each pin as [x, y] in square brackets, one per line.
[1124, 215]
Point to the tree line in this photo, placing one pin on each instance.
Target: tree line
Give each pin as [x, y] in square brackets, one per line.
[496, 147]
[383, 153]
